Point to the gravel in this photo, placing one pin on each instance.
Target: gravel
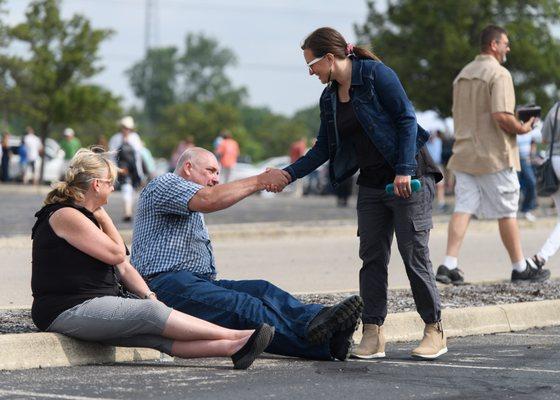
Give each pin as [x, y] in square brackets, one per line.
[19, 321]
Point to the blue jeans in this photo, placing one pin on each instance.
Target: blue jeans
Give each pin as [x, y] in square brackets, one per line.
[244, 305]
[528, 182]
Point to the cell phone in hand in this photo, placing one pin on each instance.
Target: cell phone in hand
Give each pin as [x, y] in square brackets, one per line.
[526, 112]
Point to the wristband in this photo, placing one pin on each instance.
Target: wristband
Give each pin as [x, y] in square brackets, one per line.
[148, 294]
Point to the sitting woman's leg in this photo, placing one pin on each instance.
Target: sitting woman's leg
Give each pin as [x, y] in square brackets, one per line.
[147, 323]
[194, 337]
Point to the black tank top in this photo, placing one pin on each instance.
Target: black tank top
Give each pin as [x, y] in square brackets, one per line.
[63, 276]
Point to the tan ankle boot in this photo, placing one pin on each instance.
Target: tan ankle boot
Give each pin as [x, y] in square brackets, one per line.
[372, 344]
[433, 344]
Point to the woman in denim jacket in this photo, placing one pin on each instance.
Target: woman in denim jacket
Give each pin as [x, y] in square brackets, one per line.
[368, 124]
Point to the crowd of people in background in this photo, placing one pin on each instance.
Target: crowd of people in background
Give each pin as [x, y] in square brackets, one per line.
[138, 165]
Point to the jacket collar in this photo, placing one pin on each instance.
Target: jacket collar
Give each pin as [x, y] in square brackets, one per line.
[357, 79]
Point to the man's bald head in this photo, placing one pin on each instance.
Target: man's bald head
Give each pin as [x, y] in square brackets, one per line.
[198, 165]
[192, 155]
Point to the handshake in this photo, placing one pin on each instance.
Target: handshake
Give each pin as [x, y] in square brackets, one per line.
[273, 180]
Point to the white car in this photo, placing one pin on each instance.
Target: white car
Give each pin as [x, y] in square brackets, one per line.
[242, 171]
[54, 166]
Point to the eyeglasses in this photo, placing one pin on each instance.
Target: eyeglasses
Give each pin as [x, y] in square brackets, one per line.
[110, 181]
[314, 61]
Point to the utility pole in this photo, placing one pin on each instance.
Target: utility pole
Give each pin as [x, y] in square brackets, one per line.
[151, 25]
[151, 39]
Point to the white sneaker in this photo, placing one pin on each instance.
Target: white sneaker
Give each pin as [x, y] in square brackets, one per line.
[529, 216]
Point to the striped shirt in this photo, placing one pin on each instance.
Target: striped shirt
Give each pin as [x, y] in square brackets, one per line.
[167, 236]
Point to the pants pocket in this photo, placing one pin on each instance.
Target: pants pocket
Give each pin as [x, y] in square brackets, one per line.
[422, 224]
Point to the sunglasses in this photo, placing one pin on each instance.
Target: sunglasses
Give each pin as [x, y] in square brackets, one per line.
[314, 61]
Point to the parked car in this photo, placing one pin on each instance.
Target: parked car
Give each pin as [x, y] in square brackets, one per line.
[316, 183]
[54, 166]
[241, 171]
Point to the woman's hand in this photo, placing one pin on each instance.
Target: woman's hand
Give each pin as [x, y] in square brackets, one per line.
[101, 215]
[402, 186]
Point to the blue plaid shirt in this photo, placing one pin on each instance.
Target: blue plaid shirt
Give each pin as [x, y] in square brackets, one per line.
[167, 236]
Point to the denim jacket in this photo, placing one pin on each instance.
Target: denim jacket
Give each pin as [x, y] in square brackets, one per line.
[386, 115]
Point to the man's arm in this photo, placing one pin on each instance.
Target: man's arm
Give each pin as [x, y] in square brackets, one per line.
[509, 124]
[215, 198]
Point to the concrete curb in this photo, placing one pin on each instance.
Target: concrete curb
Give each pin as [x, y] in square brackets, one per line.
[38, 350]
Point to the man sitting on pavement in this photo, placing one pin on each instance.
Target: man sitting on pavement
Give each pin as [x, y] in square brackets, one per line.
[171, 249]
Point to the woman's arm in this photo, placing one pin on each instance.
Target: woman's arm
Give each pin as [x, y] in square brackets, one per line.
[314, 158]
[395, 102]
[104, 244]
[133, 281]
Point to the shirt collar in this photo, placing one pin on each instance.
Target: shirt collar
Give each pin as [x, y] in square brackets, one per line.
[486, 57]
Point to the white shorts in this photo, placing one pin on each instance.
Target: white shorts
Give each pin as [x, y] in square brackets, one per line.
[491, 196]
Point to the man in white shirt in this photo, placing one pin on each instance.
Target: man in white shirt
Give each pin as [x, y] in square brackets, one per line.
[34, 149]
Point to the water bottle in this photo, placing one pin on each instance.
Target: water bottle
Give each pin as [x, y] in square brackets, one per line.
[415, 184]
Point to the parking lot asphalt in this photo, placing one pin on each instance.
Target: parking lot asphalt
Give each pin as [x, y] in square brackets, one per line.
[521, 365]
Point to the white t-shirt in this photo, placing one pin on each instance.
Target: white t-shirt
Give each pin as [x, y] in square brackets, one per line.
[33, 146]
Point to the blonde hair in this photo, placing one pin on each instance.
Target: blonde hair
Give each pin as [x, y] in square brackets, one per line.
[85, 166]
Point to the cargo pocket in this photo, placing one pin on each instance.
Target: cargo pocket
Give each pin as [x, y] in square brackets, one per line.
[422, 223]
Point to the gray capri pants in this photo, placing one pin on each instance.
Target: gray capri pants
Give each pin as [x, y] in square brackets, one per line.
[117, 321]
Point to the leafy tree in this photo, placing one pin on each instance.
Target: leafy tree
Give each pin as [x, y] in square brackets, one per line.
[203, 121]
[49, 80]
[5, 79]
[203, 71]
[310, 118]
[428, 42]
[154, 79]
[273, 132]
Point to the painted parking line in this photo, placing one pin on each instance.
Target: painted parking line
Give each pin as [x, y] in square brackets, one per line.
[48, 395]
[528, 334]
[432, 364]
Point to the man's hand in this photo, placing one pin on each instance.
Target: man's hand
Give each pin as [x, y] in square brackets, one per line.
[528, 126]
[273, 180]
[402, 186]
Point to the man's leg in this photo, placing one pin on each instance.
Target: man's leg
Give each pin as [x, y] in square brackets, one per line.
[231, 304]
[456, 232]
[500, 200]
[335, 326]
[509, 232]
[467, 202]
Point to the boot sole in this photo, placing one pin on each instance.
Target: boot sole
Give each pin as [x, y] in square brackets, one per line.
[430, 356]
[443, 279]
[539, 279]
[368, 356]
[345, 317]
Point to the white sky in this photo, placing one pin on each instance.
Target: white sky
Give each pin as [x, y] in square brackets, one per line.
[265, 35]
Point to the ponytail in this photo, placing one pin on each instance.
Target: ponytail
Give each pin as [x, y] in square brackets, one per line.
[328, 40]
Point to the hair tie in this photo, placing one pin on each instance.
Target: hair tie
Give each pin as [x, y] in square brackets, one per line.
[349, 49]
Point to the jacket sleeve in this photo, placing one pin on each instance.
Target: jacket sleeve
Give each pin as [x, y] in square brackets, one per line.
[395, 102]
[314, 158]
